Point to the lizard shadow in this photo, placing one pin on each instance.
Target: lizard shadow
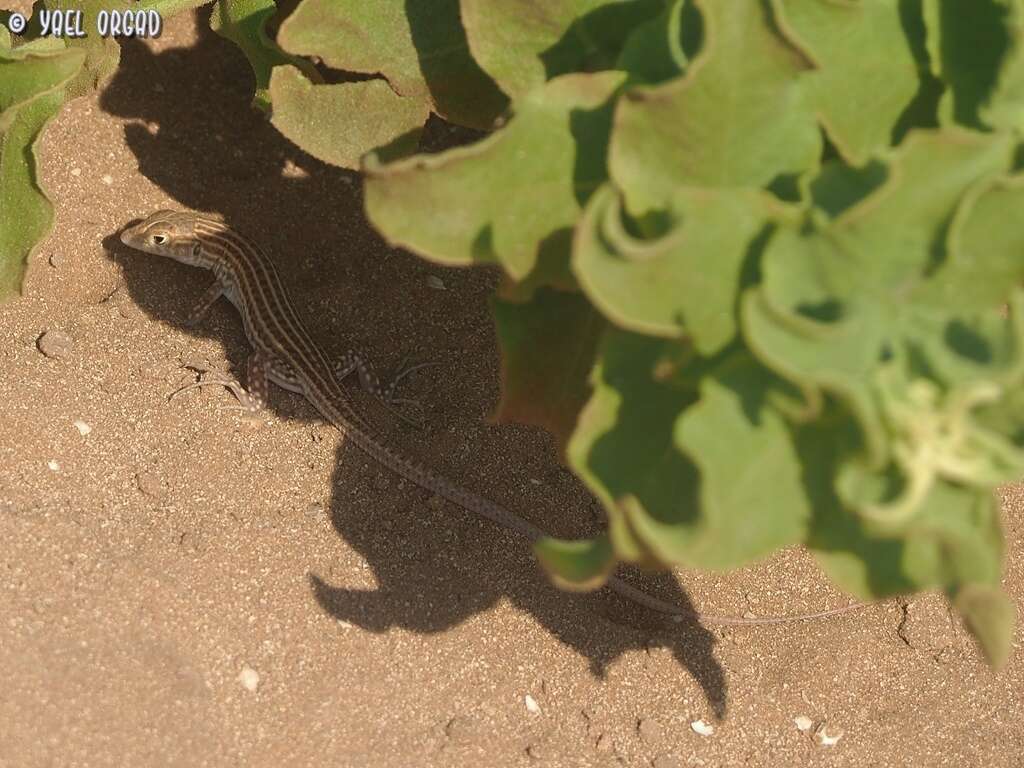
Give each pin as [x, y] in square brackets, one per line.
[435, 565]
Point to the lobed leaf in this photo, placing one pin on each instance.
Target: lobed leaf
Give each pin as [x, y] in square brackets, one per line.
[522, 44]
[740, 446]
[243, 22]
[654, 51]
[865, 74]
[33, 78]
[683, 479]
[739, 117]
[510, 199]
[968, 41]
[102, 54]
[886, 315]
[683, 282]
[340, 123]
[419, 46]
[1004, 108]
[839, 297]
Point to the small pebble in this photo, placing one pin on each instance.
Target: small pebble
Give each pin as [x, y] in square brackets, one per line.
[826, 739]
[315, 509]
[749, 615]
[531, 704]
[113, 385]
[83, 428]
[152, 370]
[76, 171]
[107, 179]
[128, 309]
[55, 343]
[704, 729]
[250, 679]
[53, 465]
[292, 171]
[803, 722]
[435, 282]
[537, 751]
[650, 731]
[149, 484]
[56, 260]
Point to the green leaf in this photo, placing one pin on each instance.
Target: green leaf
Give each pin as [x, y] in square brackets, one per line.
[102, 54]
[868, 566]
[684, 480]
[511, 198]
[30, 70]
[738, 118]
[653, 52]
[741, 447]
[986, 248]
[682, 283]
[340, 123]
[990, 615]
[866, 74]
[522, 43]
[33, 78]
[169, 8]
[243, 22]
[835, 296]
[28, 214]
[967, 40]
[576, 565]
[837, 186]
[623, 444]
[862, 308]
[419, 46]
[544, 374]
[1005, 106]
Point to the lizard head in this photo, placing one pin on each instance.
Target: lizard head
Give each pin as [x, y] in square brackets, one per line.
[167, 233]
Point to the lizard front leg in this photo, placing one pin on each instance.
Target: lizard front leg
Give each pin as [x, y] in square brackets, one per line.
[207, 300]
[261, 369]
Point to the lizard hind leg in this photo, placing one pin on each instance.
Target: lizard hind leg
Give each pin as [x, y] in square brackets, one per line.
[352, 362]
[260, 369]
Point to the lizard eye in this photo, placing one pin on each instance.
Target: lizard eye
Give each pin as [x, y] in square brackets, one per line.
[159, 239]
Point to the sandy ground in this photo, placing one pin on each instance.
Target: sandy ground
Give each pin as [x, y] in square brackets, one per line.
[186, 586]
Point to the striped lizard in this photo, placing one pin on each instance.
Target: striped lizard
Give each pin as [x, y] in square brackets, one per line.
[285, 353]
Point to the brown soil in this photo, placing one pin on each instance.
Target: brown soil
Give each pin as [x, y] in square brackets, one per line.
[185, 586]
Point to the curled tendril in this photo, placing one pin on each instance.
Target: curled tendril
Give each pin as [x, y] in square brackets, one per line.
[933, 436]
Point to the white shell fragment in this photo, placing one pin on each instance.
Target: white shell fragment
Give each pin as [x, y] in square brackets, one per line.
[704, 729]
[249, 678]
[83, 428]
[826, 739]
[531, 704]
[803, 722]
[53, 465]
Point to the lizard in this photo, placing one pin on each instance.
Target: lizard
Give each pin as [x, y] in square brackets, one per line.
[283, 352]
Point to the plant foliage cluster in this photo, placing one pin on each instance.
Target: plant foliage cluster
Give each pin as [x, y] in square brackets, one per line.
[761, 258]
